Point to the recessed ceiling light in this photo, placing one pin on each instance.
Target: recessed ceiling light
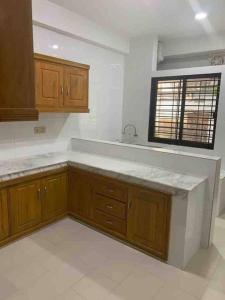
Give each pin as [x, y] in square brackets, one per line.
[55, 46]
[201, 16]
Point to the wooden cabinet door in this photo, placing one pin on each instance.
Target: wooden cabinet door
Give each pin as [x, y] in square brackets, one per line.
[4, 219]
[49, 85]
[25, 205]
[16, 56]
[148, 220]
[80, 194]
[76, 87]
[54, 196]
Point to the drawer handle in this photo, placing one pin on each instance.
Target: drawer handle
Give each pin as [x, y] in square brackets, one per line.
[109, 206]
[129, 204]
[110, 190]
[109, 222]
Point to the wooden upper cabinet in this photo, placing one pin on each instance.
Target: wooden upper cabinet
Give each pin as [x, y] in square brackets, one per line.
[4, 221]
[49, 85]
[17, 101]
[25, 206]
[61, 85]
[148, 220]
[76, 85]
[55, 196]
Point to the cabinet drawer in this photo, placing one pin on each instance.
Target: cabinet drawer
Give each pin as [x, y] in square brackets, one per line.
[111, 189]
[110, 206]
[109, 222]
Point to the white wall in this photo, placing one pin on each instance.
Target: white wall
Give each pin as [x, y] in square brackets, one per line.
[191, 52]
[105, 96]
[195, 45]
[139, 64]
[55, 17]
[137, 97]
[181, 62]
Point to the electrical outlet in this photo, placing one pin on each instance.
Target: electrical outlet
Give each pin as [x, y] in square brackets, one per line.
[39, 130]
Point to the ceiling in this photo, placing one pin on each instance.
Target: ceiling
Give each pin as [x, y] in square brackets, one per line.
[166, 18]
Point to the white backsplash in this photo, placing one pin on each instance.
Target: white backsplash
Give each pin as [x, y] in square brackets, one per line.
[105, 97]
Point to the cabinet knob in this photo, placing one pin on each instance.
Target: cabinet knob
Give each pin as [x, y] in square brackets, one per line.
[109, 222]
[109, 206]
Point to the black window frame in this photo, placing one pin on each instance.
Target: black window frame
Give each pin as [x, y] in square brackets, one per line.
[152, 114]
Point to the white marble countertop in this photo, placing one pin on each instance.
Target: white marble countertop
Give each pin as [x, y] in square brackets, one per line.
[142, 174]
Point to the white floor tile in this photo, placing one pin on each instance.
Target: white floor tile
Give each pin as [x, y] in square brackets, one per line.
[24, 276]
[69, 295]
[68, 260]
[212, 294]
[140, 285]
[168, 293]
[53, 283]
[117, 270]
[205, 262]
[96, 286]
[7, 288]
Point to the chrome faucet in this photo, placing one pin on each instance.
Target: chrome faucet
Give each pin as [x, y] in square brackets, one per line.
[132, 126]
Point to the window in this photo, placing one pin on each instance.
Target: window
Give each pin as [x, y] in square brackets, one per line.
[184, 110]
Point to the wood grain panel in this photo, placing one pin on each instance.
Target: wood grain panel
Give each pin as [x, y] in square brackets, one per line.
[25, 206]
[17, 101]
[111, 188]
[80, 194]
[56, 60]
[148, 220]
[54, 196]
[49, 85]
[76, 87]
[109, 206]
[109, 222]
[4, 216]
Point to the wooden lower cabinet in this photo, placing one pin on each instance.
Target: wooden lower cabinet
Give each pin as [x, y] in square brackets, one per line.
[4, 215]
[34, 202]
[80, 194]
[54, 196]
[137, 215]
[25, 206]
[148, 220]
[108, 213]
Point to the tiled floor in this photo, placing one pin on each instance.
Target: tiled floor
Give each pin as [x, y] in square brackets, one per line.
[69, 261]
